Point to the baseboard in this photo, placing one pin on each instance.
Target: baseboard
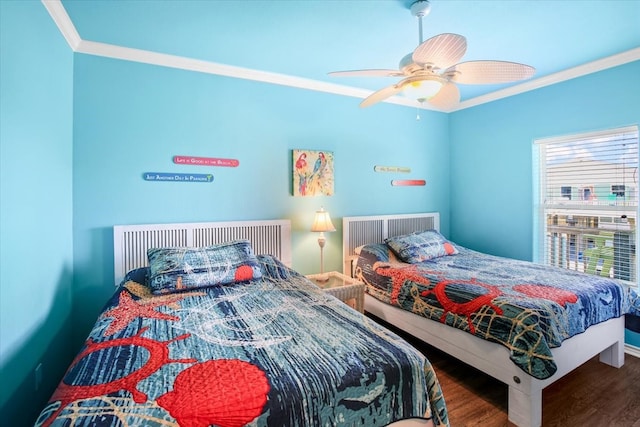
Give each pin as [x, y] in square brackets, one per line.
[632, 350]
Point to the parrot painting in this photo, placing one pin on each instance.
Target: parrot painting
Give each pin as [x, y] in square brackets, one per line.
[316, 178]
[312, 173]
[301, 170]
[320, 164]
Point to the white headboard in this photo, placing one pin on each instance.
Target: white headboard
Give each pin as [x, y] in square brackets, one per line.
[130, 242]
[361, 230]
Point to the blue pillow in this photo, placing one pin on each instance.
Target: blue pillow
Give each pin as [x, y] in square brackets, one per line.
[138, 275]
[420, 246]
[178, 269]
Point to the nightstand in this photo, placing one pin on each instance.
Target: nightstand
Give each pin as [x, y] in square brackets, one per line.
[341, 286]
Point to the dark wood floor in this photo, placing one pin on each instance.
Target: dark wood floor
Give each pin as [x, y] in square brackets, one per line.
[595, 394]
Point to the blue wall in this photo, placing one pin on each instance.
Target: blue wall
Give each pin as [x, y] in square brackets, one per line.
[131, 118]
[36, 82]
[491, 154]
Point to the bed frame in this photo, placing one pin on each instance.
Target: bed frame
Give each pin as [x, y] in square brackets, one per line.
[130, 242]
[525, 391]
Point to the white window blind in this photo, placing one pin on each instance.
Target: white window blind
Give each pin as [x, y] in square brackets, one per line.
[588, 202]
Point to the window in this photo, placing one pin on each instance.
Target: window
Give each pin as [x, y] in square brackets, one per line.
[594, 231]
[587, 193]
[617, 190]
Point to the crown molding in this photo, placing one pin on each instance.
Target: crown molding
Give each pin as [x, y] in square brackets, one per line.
[68, 30]
[561, 76]
[63, 22]
[197, 65]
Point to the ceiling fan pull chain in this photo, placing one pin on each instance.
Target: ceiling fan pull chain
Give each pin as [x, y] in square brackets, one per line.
[417, 114]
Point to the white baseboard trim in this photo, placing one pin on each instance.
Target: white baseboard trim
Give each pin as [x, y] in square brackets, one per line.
[632, 350]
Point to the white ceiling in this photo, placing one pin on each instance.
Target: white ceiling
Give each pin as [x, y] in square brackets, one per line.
[298, 42]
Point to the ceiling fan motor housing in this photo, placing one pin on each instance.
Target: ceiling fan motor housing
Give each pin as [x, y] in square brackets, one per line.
[420, 8]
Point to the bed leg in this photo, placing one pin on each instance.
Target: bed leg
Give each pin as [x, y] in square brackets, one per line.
[525, 410]
[614, 355]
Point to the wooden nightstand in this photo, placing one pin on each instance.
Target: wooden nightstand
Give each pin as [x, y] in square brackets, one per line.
[343, 287]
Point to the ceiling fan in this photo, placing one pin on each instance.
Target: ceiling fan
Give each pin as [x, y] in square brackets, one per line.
[430, 73]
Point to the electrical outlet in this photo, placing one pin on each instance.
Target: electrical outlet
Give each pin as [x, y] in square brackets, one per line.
[38, 376]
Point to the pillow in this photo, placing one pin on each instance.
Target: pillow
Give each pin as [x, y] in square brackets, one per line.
[138, 275]
[177, 269]
[273, 268]
[420, 246]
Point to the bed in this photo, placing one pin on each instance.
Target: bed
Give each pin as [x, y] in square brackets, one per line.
[209, 326]
[485, 311]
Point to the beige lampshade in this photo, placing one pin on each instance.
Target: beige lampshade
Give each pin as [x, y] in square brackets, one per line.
[322, 221]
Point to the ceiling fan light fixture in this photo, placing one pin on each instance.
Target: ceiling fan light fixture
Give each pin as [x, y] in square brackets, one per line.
[422, 90]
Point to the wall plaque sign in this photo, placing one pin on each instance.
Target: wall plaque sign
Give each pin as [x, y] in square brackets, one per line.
[407, 182]
[205, 161]
[402, 169]
[177, 177]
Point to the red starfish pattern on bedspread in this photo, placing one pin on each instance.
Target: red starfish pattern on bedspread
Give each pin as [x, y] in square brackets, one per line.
[68, 391]
[399, 275]
[466, 308]
[560, 296]
[129, 309]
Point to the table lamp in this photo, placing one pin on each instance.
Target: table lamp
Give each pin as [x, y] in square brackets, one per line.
[321, 223]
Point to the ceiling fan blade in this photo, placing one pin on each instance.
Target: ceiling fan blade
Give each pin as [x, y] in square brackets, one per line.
[381, 95]
[447, 97]
[488, 72]
[442, 51]
[367, 73]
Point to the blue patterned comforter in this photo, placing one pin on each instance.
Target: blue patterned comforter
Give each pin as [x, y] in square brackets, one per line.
[527, 307]
[271, 352]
